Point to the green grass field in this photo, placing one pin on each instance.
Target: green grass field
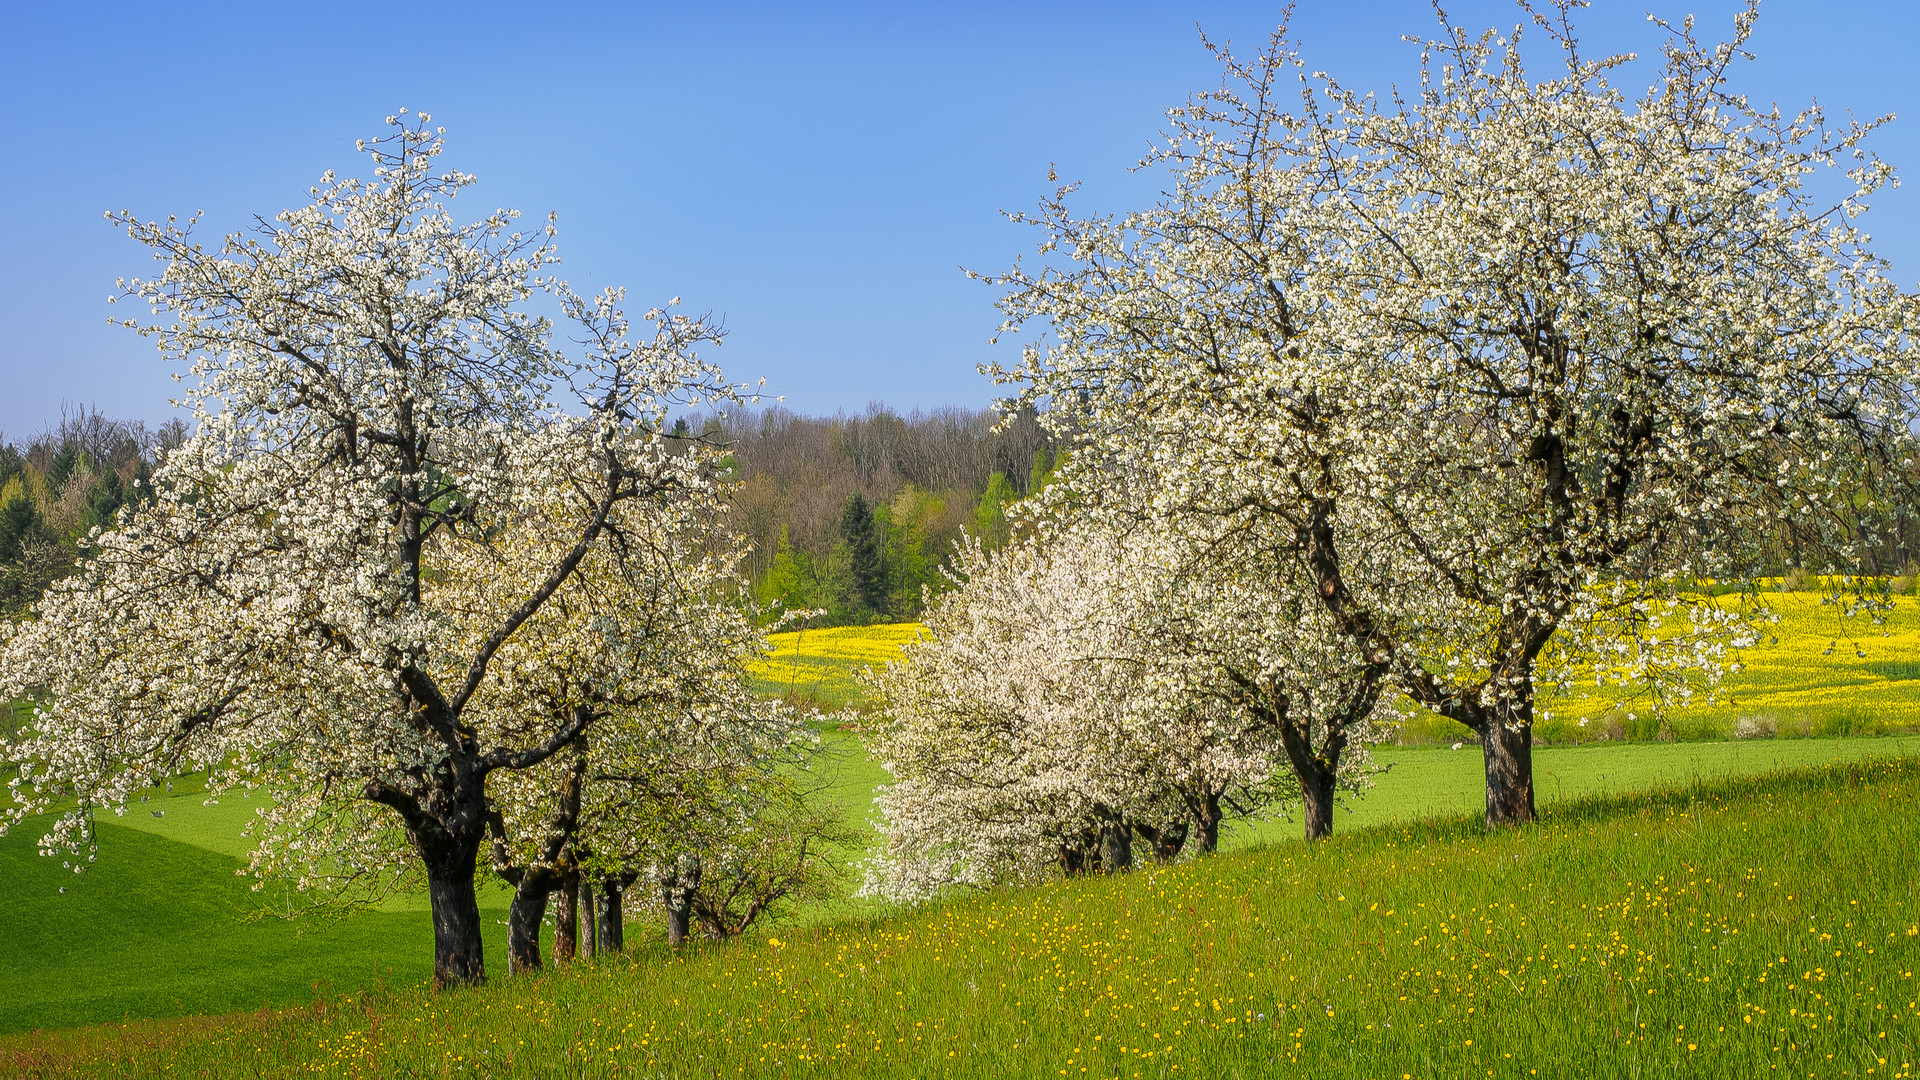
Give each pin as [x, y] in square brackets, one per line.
[161, 927]
[1744, 927]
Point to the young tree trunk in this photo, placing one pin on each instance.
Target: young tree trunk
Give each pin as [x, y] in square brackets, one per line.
[1509, 759]
[566, 921]
[457, 956]
[524, 916]
[612, 920]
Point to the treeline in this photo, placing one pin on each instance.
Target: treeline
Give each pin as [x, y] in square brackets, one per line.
[855, 515]
[57, 486]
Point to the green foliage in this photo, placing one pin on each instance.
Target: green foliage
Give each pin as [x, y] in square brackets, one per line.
[790, 583]
[57, 489]
[861, 584]
[990, 515]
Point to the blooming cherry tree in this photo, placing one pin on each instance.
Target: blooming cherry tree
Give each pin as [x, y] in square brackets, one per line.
[1083, 687]
[382, 424]
[1551, 349]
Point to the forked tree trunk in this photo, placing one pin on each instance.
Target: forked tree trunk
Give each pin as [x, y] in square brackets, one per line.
[1509, 758]
[566, 921]
[1317, 775]
[457, 956]
[1165, 841]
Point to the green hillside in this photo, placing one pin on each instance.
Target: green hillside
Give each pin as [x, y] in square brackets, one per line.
[1738, 928]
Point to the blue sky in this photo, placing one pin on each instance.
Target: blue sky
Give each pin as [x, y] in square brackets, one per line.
[815, 174]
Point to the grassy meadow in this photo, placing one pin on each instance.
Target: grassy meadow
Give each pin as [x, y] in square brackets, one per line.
[162, 928]
[1745, 927]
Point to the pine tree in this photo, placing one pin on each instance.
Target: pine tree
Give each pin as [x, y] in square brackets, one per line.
[865, 576]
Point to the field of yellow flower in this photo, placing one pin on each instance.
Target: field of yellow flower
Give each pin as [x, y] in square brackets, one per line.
[1817, 671]
[1758, 927]
[819, 666]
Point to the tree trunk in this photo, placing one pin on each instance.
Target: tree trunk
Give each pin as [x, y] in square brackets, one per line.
[1316, 797]
[457, 956]
[1166, 841]
[528, 911]
[1116, 845]
[1509, 757]
[1316, 771]
[589, 903]
[676, 895]
[612, 920]
[1206, 825]
[1073, 859]
[566, 921]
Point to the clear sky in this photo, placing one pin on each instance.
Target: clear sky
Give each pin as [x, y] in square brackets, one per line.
[817, 174]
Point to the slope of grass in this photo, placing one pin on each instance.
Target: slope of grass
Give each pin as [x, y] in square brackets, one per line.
[158, 927]
[1748, 927]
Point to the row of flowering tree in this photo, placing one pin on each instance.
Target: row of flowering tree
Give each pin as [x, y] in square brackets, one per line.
[1490, 375]
[426, 573]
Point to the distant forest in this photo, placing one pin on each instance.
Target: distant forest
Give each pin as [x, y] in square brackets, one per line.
[849, 515]
[855, 515]
[57, 486]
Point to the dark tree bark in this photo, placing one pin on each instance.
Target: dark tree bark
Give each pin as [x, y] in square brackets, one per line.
[1073, 859]
[1116, 844]
[448, 842]
[1316, 770]
[566, 921]
[524, 916]
[1165, 841]
[610, 917]
[450, 862]
[1508, 750]
[534, 885]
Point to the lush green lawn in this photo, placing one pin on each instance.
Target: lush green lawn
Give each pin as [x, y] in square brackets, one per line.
[1745, 927]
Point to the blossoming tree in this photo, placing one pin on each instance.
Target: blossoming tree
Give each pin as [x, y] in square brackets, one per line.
[1083, 687]
[378, 413]
[1556, 347]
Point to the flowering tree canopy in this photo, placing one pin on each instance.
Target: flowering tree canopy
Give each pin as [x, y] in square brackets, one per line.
[1082, 687]
[1556, 349]
[397, 482]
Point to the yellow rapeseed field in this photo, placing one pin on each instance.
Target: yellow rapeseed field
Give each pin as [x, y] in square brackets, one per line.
[820, 665]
